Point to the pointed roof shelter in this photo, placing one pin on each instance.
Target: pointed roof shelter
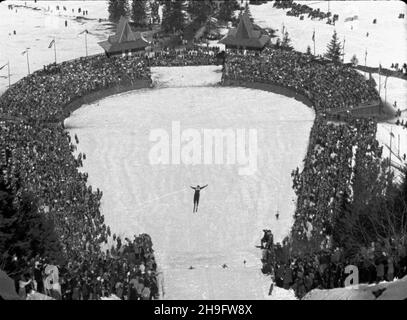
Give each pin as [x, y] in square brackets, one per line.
[245, 36]
[125, 40]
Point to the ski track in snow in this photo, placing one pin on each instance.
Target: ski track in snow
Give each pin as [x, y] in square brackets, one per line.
[156, 199]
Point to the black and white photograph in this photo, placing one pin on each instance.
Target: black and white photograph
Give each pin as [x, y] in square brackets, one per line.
[206, 150]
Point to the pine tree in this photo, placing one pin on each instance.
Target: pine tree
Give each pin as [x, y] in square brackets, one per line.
[227, 10]
[286, 42]
[334, 51]
[309, 51]
[199, 10]
[24, 232]
[139, 12]
[247, 10]
[117, 8]
[173, 16]
[155, 5]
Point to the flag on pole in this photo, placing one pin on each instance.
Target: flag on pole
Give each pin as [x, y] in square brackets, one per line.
[51, 44]
[1, 68]
[313, 36]
[84, 31]
[24, 52]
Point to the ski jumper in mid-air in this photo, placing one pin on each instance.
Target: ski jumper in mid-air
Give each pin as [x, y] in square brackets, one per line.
[196, 196]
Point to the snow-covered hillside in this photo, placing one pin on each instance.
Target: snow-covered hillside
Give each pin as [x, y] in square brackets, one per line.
[35, 29]
[396, 290]
[386, 43]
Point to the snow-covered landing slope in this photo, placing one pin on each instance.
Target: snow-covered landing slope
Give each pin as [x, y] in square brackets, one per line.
[396, 290]
[156, 199]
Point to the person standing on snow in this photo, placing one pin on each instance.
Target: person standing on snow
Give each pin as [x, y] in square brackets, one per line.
[196, 196]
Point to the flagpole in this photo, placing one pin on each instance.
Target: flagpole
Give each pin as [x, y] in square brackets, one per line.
[55, 51]
[8, 72]
[399, 146]
[380, 79]
[86, 43]
[28, 61]
[391, 135]
[314, 41]
[380, 88]
[343, 49]
[365, 61]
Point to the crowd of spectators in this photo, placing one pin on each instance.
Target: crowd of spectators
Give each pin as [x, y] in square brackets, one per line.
[336, 152]
[328, 171]
[325, 269]
[399, 68]
[127, 271]
[43, 94]
[329, 86]
[196, 56]
[401, 123]
[40, 160]
[298, 10]
[337, 149]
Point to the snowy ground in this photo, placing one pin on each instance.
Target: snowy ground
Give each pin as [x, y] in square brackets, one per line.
[398, 143]
[396, 290]
[201, 76]
[386, 43]
[35, 30]
[156, 199]
[396, 92]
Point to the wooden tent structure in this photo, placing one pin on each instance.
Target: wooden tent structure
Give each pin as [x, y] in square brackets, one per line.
[125, 41]
[245, 36]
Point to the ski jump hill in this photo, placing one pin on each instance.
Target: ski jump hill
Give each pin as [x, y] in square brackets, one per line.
[127, 74]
